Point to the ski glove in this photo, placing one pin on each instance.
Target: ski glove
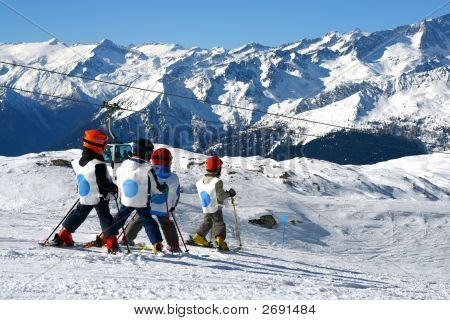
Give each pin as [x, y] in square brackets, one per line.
[164, 188]
[172, 209]
[232, 192]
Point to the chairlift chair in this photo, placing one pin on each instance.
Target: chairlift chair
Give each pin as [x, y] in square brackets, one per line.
[116, 151]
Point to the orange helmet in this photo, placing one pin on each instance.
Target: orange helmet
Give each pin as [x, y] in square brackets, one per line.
[95, 140]
[213, 163]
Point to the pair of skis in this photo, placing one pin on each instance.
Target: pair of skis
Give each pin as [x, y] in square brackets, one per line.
[98, 242]
[142, 247]
[190, 242]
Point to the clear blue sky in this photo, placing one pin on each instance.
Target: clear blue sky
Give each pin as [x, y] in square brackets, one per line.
[227, 23]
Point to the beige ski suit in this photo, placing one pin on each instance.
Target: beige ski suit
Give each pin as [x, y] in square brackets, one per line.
[215, 219]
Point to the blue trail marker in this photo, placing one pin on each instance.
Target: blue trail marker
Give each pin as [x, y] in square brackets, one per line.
[283, 220]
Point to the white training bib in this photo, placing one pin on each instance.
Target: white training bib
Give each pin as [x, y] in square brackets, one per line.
[159, 199]
[87, 182]
[132, 180]
[208, 196]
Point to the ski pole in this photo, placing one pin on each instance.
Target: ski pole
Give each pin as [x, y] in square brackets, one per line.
[238, 229]
[62, 220]
[168, 222]
[181, 236]
[123, 230]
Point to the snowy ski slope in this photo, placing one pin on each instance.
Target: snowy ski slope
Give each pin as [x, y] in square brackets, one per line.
[368, 232]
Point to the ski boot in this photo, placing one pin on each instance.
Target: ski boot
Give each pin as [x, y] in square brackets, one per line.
[112, 245]
[157, 247]
[175, 248]
[221, 244]
[99, 241]
[200, 241]
[62, 239]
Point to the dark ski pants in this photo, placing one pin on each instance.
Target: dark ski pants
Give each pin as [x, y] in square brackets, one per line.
[150, 225]
[215, 221]
[169, 230]
[81, 212]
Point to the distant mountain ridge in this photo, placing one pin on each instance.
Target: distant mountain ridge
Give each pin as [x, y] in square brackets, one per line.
[393, 81]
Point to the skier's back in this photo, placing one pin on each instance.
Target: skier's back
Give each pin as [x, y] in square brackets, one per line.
[162, 174]
[212, 195]
[94, 185]
[135, 190]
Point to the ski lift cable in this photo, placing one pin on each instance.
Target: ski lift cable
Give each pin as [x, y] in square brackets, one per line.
[174, 95]
[115, 106]
[185, 97]
[49, 95]
[66, 98]
[196, 99]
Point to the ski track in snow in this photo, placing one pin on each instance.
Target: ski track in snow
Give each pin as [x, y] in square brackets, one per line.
[348, 246]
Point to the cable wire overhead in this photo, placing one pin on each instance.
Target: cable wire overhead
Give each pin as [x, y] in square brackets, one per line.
[115, 106]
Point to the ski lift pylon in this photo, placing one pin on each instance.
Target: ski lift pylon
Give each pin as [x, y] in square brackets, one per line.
[116, 151]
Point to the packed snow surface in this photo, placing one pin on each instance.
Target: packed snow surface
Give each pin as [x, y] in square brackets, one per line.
[367, 232]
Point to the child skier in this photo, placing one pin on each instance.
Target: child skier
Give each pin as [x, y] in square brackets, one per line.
[161, 161]
[94, 184]
[211, 193]
[135, 189]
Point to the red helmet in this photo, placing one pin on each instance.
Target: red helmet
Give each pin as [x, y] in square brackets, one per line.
[213, 163]
[161, 157]
[95, 140]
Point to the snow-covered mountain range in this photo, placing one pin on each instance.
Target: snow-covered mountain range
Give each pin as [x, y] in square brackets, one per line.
[394, 82]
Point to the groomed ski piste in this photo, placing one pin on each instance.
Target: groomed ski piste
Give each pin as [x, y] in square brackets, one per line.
[368, 232]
